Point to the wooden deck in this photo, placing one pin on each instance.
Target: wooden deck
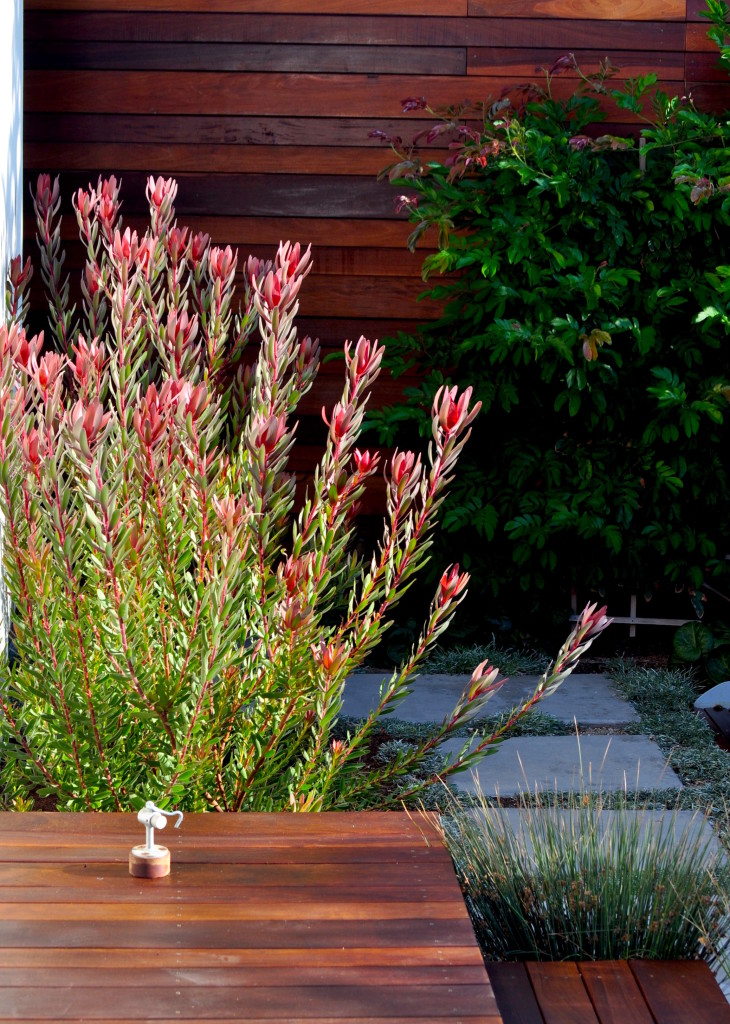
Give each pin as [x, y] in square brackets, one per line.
[330, 917]
[613, 992]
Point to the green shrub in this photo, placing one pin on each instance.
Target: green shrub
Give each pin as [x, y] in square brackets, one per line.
[587, 302]
[586, 882]
[183, 631]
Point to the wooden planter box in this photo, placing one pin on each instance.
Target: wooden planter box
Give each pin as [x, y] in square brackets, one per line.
[609, 992]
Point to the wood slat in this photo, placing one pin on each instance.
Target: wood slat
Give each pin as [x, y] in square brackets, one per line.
[302, 57]
[436, 7]
[680, 992]
[607, 10]
[114, 934]
[714, 96]
[229, 93]
[513, 993]
[327, 236]
[614, 992]
[254, 195]
[567, 33]
[705, 66]
[256, 827]
[697, 38]
[222, 159]
[238, 977]
[561, 994]
[524, 62]
[314, 1002]
[694, 7]
[481, 1019]
[266, 28]
[201, 130]
[577, 32]
[248, 910]
[349, 957]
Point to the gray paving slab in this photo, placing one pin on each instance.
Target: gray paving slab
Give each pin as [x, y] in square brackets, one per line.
[591, 699]
[615, 763]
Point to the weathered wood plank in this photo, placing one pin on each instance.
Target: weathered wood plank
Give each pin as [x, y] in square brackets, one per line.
[697, 38]
[244, 910]
[694, 7]
[364, 30]
[100, 55]
[115, 934]
[614, 992]
[524, 62]
[565, 34]
[198, 130]
[249, 232]
[238, 977]
[608, 10]
[226, 159]
[297, 1020]
[513, 993]
[256, 827]
[561, 994]
[181, 958]
[705, 66]
[317, 1002]
[681, 991]
[710, 96]
[437, 7]
[361, 31]
[256, 195]
[228, 93]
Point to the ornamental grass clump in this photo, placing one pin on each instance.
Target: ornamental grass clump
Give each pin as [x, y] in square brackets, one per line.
[588, 882]
[183, 627]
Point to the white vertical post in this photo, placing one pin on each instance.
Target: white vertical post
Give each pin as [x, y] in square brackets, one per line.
[11, 178]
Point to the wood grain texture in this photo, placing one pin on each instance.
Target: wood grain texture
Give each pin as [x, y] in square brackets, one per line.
[200, 129]
[682, 991]
[185, 159]
[561, 994]
[92, 54]
[615, 995]
[410, 7]
[607, 10]
[363, 30]
[513, 992]
[523, 62]
[120, 27]
[228, 93]
[697, 38]
[263, 918]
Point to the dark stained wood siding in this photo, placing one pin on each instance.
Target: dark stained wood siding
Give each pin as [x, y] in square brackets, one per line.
[261, 109]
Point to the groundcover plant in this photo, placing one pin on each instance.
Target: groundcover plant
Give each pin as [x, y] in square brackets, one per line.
[183, 624]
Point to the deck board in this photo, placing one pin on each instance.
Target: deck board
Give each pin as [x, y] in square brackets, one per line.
[330, 917]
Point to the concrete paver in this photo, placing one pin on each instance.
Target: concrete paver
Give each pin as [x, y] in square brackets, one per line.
[617, 763]
[591, 699]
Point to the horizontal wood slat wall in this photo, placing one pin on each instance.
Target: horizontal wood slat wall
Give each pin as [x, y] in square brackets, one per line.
[261, 109]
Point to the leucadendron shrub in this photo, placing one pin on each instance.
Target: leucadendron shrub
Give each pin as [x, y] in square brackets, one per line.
[182, 628]
[585, 299]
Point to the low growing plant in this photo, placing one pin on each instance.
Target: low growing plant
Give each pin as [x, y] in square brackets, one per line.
[183, 628]
[586, 299]
[586, 882]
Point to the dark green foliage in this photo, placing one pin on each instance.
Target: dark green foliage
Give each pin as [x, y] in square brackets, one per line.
[587, 301]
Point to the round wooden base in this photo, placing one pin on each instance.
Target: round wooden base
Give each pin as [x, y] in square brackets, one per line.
[144, 863]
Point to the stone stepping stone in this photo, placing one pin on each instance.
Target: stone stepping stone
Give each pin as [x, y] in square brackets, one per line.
[591, 699]
[611, 763]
